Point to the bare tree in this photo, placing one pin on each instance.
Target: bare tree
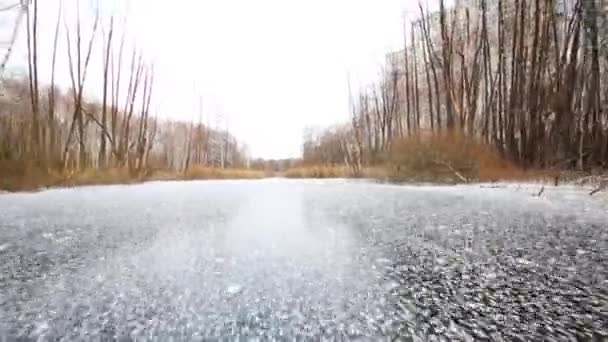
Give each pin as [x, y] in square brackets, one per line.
[533, 86]
[32, 64]
[78, 78]
[52, 140]
[107, 49]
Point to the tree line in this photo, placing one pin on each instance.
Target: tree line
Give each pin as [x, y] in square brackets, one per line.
[43, 126]
[528, 78]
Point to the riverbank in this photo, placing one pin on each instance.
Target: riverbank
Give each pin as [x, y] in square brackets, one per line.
[490, 178]
[32, 179]
[438, 174]
[447, 158]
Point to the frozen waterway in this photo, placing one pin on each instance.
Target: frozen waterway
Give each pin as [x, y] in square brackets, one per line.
[282, 258]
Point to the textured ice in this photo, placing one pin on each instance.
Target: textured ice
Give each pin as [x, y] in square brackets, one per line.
[233, 289]
[309, 259]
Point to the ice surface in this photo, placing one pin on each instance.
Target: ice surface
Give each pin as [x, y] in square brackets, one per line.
[310, 259]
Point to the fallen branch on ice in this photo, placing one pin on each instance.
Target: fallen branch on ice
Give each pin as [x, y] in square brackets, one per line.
[600, 183]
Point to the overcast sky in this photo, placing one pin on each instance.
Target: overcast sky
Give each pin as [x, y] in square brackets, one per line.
[268, 68]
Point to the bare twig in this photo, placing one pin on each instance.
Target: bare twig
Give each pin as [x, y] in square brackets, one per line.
[458, 174]
[602, 186]
[540, 192]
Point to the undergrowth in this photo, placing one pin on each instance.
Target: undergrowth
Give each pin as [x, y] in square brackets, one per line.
[30, 176]
[448, 158]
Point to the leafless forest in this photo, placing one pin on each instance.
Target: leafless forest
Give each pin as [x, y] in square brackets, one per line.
[43, 128]
[528, 79]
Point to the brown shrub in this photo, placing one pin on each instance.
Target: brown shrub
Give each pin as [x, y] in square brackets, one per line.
[449, 157]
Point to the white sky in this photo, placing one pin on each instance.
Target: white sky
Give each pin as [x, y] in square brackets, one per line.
[268, 67]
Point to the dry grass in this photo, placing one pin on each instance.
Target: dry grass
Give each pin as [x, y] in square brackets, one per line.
[25, 176]
[30, 176]
[445, 158]
[448, 158]
[34, 178]
[327, 172]
[102, 177]
[215, 173]
[319, 172]
[374, 172]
